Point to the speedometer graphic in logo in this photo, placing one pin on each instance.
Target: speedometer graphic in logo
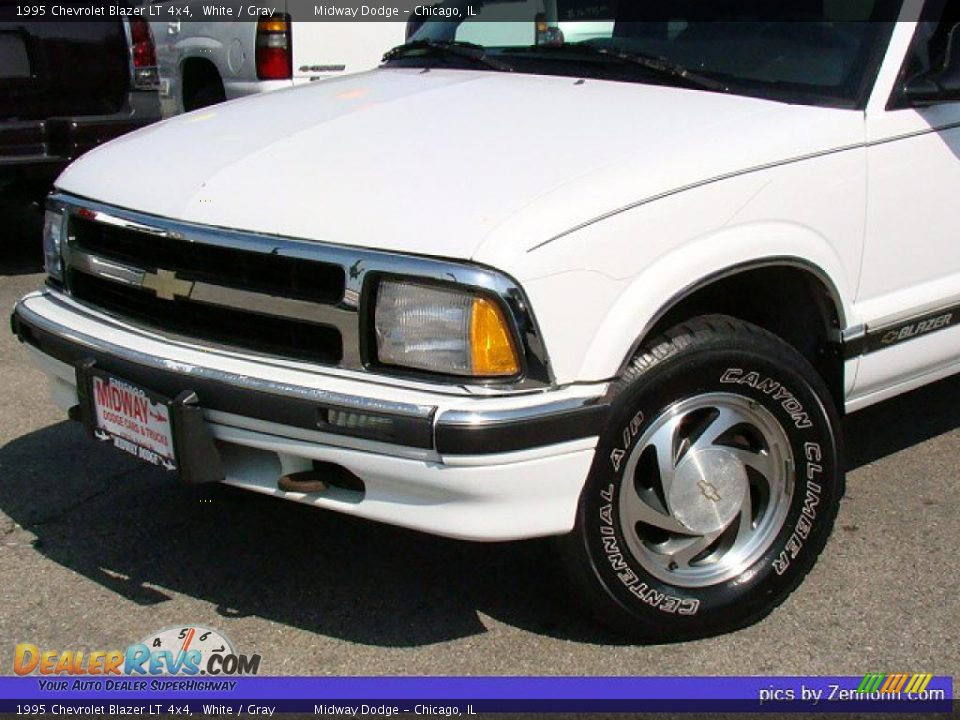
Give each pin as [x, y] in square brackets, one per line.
[194, 641]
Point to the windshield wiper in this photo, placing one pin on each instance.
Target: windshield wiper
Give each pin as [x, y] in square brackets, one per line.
[653, 63]
[664, 67]
[464, 50]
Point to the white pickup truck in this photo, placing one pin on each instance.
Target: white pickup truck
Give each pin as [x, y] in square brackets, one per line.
[619, 291]
[203, 62]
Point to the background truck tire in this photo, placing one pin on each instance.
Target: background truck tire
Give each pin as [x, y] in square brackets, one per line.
[202, 86]
[714, 488]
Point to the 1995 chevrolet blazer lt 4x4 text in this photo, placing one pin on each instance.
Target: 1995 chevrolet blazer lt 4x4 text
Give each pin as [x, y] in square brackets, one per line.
[612, 280]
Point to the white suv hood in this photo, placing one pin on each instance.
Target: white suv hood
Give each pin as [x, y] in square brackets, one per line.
[435, 162]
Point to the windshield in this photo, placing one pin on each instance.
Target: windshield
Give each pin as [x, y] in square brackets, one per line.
[804, 51]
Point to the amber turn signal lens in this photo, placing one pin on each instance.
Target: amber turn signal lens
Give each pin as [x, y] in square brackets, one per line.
[272, 26]
[491, 344]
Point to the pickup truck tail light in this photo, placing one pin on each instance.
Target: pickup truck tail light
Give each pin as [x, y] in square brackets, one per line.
[274, 49]
[143, 56]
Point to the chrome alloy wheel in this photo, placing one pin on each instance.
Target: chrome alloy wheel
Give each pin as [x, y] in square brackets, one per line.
[706, 490]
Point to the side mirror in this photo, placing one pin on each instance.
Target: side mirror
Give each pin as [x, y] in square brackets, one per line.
[941, 85]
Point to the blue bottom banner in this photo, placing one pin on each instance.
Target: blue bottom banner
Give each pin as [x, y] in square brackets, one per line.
[464, 696]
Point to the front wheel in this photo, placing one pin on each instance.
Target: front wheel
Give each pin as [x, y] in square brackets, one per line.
[714, 488]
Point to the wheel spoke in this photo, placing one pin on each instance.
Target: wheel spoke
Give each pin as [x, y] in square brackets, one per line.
[638, 511]
[683, 555]
[735, 462]
[662, 442]
[745, 522]
[724, 421]
[759, 461]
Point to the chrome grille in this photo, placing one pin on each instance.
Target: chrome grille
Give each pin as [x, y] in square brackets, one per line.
[315, 282]
[257, 301]
[286, 297]
[213, 323]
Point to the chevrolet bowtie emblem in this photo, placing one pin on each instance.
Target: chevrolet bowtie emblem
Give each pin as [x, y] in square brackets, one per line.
[167, 285]
[709, 491]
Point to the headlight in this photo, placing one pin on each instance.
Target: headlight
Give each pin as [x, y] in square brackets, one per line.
[443, 330]
[53, 232]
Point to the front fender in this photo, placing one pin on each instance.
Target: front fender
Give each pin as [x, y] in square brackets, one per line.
[648, 297]
[598, 290]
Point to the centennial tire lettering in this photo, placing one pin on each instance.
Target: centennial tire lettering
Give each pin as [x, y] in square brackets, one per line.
[662, 601]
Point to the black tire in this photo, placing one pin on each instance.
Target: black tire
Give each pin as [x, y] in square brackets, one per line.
[709, 361]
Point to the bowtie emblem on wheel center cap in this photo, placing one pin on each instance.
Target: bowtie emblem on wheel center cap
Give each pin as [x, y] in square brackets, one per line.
[707, 490]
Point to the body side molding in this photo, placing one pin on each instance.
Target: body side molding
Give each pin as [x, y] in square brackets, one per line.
[901, 328]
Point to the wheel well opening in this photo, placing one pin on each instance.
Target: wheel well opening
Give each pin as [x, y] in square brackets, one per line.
[198, 74]
[789, 302]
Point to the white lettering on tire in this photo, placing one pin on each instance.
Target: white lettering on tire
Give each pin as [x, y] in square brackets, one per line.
[769, 386]
[629, 433]
[611, 547]
[801, 531]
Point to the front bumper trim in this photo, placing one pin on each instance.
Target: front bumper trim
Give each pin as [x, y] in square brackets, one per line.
[450, 433]
[471, 433]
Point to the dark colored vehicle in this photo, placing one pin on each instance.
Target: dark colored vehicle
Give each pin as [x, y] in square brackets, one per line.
[66, 87]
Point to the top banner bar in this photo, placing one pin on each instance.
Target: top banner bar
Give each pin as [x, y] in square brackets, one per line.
[448, 11]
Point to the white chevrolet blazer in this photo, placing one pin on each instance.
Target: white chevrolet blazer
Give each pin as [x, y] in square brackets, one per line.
[619, 289]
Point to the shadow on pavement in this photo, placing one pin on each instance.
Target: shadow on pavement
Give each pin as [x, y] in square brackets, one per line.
[903, 422]
[138, 533]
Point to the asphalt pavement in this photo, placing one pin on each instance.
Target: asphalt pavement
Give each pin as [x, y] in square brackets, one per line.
[97, 551]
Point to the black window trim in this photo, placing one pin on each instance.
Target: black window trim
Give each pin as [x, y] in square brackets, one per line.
[897, 100]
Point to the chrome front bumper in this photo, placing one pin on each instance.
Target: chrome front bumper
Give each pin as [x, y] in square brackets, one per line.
[288, 394]
[480, 468]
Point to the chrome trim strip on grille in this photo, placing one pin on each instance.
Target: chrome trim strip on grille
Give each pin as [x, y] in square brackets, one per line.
[99, 267]
[271, 305]
[212, 294]
[107, 219]
[360, 265]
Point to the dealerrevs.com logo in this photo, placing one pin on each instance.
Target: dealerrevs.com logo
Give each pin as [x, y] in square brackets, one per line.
[181, 650]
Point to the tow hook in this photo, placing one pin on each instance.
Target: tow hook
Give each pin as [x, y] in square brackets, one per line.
[308, 481]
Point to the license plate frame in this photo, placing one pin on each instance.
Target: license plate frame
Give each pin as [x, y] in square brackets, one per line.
[193, 453]
[135, 419]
